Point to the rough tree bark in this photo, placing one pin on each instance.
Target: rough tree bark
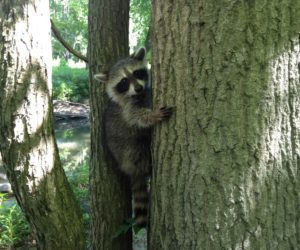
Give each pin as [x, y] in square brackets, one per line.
[227, 164]
[27, 144]
[110, 193]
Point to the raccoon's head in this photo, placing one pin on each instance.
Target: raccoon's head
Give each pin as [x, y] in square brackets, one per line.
[127, 78]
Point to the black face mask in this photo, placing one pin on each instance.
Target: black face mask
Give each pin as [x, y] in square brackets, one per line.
[123, 85]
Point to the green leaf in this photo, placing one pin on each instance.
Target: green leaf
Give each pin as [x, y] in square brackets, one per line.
[129, 223]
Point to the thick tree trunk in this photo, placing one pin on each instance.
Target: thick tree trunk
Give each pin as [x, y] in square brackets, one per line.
[27, 144]
[226, 172]
[110, 193]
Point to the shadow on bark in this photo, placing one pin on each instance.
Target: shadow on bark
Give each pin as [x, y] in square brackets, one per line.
[226, 166]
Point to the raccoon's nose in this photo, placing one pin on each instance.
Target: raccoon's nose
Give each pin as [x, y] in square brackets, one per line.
[138, 88]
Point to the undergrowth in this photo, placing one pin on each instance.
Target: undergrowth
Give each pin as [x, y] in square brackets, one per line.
[14, 229]
[70, 84]
[13, 226]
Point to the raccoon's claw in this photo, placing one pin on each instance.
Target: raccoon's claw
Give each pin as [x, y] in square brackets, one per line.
[166, 112]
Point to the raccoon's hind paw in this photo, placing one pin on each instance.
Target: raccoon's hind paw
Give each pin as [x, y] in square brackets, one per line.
[166, 112]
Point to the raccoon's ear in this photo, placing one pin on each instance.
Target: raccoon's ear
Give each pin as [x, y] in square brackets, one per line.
[101, 77]
[139, 54]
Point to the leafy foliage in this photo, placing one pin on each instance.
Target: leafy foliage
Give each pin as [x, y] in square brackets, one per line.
[70, 84]
[70, 17]
[79, 180]
[128, 225]
[140, 12]
[13, 226]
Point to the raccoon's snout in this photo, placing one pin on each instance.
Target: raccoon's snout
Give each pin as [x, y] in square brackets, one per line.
[138, 88]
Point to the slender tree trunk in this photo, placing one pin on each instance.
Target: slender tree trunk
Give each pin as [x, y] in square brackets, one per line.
[226, 172]
[110, 193]
[27, 144]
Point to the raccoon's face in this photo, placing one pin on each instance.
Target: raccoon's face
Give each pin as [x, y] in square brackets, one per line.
[127, 78]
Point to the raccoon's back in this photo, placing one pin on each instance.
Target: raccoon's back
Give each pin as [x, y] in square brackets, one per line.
[120, 137]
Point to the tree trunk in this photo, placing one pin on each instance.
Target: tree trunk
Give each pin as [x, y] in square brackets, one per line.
[226, 172]
[27, 144]
[110, 193]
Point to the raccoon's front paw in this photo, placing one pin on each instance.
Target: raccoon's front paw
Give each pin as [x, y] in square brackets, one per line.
[165, 112]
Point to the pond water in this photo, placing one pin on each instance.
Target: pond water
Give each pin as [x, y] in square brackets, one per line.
[73, 141]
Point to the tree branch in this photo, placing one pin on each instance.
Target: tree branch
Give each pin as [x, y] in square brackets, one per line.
[65, 43]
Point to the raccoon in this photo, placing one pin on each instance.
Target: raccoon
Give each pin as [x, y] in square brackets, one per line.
[127, 124]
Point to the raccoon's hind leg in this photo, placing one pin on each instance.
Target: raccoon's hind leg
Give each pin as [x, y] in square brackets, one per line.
[127, 165]
[139, 185]
[135, 163]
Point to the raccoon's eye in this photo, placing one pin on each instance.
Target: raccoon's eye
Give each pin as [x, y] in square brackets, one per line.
[140, 74]
[123, 85]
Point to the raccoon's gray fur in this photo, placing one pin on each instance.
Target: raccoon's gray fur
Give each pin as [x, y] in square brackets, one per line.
[127, 122]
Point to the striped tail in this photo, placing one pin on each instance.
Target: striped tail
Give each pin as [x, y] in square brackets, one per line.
[141, 200]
